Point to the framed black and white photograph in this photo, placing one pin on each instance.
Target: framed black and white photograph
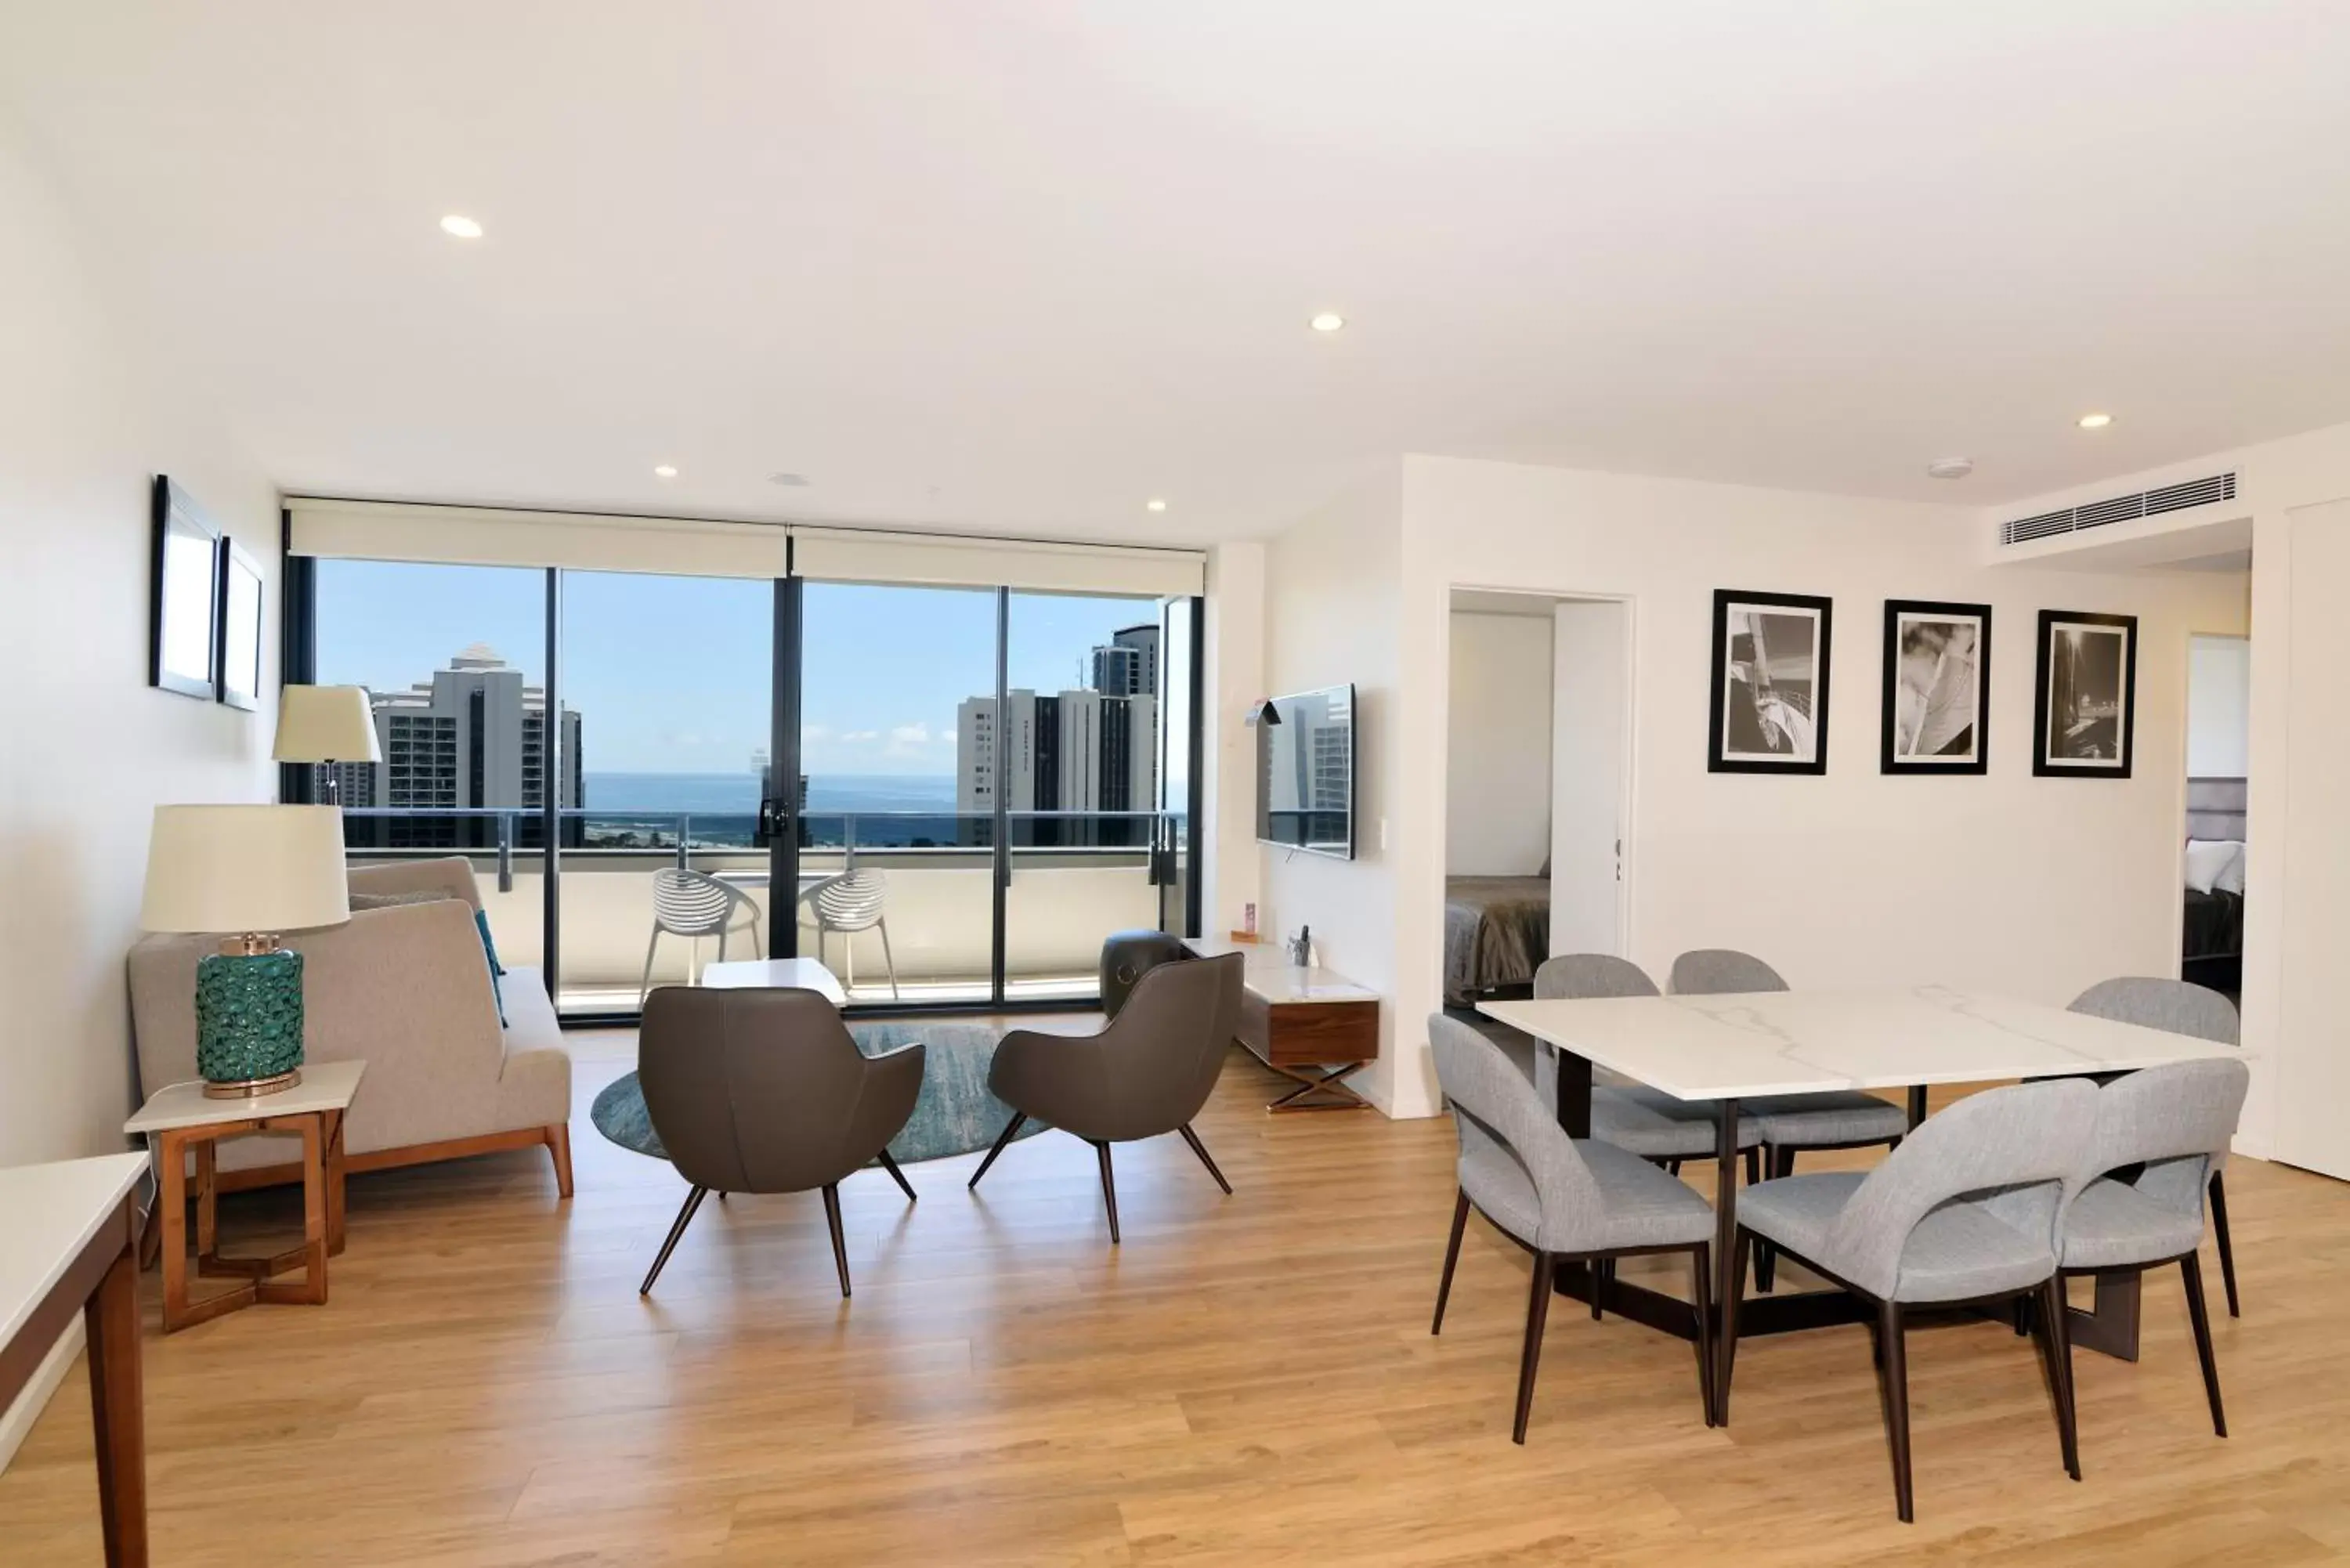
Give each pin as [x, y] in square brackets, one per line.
[2084, 706]
[1937, 688]
[240, 627]
[183, 629]
[1770, 683]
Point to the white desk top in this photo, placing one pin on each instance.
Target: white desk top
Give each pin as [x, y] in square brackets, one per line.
[1277, 981]
[806, 974]
[48, 1215]
[325, 1086]
[1811, 1041]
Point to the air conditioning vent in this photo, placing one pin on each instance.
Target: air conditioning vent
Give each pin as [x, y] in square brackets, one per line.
[2120, 509]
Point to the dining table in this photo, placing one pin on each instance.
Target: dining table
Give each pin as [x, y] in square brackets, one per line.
[1740, 1046]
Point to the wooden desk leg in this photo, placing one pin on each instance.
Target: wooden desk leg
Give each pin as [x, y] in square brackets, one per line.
[1574, 1093]
[314, 1209]
[116, 1413]
[2112, 1328]
[171, 1203]
[334, 1161]
[1726, 1255]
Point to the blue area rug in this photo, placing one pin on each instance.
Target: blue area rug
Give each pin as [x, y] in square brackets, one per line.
[954, 1113]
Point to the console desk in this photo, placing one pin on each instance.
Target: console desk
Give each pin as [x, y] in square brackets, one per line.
[1311, 1026]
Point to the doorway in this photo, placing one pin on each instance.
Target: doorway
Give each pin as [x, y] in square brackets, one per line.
[2218, 756]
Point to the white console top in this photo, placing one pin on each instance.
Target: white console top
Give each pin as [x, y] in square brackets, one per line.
[1275, 980]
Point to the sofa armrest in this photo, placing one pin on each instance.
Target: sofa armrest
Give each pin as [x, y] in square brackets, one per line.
[451, 876]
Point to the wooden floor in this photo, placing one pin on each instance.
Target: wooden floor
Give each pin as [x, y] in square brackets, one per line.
[1246, 1381]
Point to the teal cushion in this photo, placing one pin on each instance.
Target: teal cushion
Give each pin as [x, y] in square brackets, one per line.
[489, 952]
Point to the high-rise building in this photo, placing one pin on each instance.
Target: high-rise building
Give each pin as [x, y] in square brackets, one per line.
[1075, 751]
[472, 737]
[1128, 665]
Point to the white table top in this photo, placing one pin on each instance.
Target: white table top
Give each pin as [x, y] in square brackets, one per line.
[1278, 981]
[811, 882]
[48, 1215]
[1812, 1041]
[325, 1086]
[806, 974]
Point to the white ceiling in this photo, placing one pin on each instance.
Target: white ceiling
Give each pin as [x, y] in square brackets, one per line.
[1018, 265]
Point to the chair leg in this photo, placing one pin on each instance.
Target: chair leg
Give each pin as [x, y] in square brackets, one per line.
[839, 1242]
[2219, 1233]
[1702, 1308]
[757, 951]
[1753, 1167]
[898, 1176]
[1537, 1310]
[1601, 1272]
[1896, 1405]
[2199, 1316]
[887, 957]
[1109, 1188]
[1739, 1253]
[1451, 1256]
[684, 1217]
[645, 987]
[558, 1147]
[1779, 1162]
[1010, 1128]
[1672, 1167]
[1201, 1151]
[2049, 1326]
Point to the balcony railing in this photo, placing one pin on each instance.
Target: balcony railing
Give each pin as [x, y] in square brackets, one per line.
[1074, 877]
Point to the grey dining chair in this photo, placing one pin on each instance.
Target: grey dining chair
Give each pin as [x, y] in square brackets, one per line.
[1562, 1199]
[2178, 1007]
[849, 904]
[2160, 1135]
[1149, 1071]
[763, 1090]
[1966, 1212]
[1786, 1124]
[1646, 1122]
[693, 905]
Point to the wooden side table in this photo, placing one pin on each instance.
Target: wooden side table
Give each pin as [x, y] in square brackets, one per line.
[181, 1119]
[1311, 1026]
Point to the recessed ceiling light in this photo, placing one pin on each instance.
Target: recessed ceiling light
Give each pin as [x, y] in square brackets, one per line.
[1950, 467]
[1328, 321]
[790, 481]
[1155, 504]
[664, 471]
[2095, 422]
[461, 226]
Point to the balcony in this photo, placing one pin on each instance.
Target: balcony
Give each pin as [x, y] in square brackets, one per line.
[1062, 900]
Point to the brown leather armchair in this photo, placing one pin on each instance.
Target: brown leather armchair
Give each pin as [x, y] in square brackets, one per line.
[763, 1091]
[1147, 1073]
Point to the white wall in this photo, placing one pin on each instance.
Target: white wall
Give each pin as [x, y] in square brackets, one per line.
[88, 416]
[1233, 633]
[2218, 707]
[2030, 886]
[1497, 819]
[1331, 592]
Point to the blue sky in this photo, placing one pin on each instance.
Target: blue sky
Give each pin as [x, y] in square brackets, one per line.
[672, 674]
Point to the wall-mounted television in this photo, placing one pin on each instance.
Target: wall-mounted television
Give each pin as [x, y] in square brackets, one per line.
[1306, 771]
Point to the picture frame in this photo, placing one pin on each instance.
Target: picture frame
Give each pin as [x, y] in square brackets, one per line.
[1937, 718]
[1768, 712]
[2084, 695]
[183, 606]
[240, 621]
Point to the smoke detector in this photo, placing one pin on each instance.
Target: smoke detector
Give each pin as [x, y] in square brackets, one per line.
[1950, 467]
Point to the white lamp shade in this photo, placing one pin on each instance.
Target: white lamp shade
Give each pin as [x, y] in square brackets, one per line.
[230, 868]
[325, 724]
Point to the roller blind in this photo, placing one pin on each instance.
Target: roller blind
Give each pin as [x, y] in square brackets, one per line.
[497, 536]
[850, 555]
[494, 536]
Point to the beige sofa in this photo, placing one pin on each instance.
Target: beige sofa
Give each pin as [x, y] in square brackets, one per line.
[405, 988]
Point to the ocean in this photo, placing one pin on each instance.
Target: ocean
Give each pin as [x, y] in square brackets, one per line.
[738, 794]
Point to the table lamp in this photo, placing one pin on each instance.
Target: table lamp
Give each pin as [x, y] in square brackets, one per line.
[325, 724]
[252, 871]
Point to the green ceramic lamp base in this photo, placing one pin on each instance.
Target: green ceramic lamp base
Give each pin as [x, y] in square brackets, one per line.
[249, 1021]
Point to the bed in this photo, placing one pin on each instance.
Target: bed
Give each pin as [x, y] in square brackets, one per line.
[2211, 944]
[1496, 930]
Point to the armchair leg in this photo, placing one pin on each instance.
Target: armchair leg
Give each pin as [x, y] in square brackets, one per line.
[839, 1243]
[684, 1218]
[1201, 1151]
[896, 1176]
[2199, 1316]
[1010, 1130]
[2219, 1233]
[1451, 1256]
[1530, 1359]
[1109, 1189]
[559, 1146]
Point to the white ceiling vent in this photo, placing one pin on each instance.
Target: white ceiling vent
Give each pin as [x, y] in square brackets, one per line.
[2120, 509]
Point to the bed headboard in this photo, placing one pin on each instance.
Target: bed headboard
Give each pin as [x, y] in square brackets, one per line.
[2215, 808]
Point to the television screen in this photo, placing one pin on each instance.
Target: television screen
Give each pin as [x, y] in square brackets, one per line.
[1306, 771]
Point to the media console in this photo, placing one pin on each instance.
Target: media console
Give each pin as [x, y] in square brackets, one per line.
[1297, 1020]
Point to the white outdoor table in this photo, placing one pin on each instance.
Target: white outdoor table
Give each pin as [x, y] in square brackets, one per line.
[1732, 1047]
[805, 974]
